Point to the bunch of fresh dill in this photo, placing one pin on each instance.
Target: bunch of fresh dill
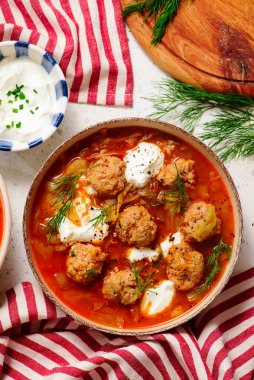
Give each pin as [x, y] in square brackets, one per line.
[161, 11]
[230, 132]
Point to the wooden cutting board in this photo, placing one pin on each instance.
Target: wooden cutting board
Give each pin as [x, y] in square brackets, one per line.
[209, 44]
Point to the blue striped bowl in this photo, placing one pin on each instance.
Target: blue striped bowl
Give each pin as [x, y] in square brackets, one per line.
[18, 49]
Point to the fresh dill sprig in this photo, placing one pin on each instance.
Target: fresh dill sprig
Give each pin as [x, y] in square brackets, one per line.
[64, 189]
[141, 285]
[194, 101]
[230, 132]
[161, 11]
[178, 198]
[99, 219]
[214, 266]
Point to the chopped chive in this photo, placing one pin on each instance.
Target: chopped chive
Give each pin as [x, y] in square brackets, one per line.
[8, 126]
[35, 91]
[18, 125]
[36, 109]
[15, 110]
[10, 101]
[21, 106]
[12, 123]
[32, 112]
[72, 253]
[27, 101]
[9, 93]
[0, 102]
[16, 99]
[22, 96]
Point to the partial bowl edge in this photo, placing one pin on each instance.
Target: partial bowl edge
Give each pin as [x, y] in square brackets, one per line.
[7, 221]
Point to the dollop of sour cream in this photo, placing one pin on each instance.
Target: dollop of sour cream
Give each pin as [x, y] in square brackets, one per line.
[138, 254]
[87, 232]
[28, 99]
[143, 163]
[171, 240]
[157, 299]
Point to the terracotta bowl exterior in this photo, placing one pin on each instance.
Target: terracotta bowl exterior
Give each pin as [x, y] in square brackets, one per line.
[174, 131]
[7, 221]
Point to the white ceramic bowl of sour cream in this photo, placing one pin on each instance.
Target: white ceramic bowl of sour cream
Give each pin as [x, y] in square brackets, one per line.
[33, 95]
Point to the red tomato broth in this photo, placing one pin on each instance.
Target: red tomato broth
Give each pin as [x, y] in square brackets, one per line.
[88, 301]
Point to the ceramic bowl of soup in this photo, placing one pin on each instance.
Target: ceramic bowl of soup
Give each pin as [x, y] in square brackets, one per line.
[132, 226]
[5, 221]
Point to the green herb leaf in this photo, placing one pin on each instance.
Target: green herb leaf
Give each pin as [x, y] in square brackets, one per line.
[15, 110]
[178, 199]
[22, 96]
[99, 219]
[91, 273]
[141, 285]
[65, 190]
[161, 11]
[230, 133]
[214, 267]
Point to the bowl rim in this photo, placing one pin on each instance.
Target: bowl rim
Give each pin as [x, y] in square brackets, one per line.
[192, 312]
[4, 197]
[34, 143]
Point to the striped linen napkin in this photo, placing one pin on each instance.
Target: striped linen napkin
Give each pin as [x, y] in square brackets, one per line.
[86, 37]
[38, 341]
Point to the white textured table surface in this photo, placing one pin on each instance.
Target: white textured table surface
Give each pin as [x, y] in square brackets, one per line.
[19, 169]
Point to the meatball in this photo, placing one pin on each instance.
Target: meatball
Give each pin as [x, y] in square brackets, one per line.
[185, 266]
[120, 286]
[108, 177]
[84, 263]
[136, 226]
[168, 173]
[200, 222]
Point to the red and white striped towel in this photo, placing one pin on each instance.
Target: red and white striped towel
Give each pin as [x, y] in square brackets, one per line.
[86, 37]
[38, 341]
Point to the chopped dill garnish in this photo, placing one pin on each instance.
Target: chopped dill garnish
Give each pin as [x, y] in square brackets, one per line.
[91, 273]
[178, 199]
[214, 267]
[64, 189]
[141, 285]
[99, 219]
[157, 262]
